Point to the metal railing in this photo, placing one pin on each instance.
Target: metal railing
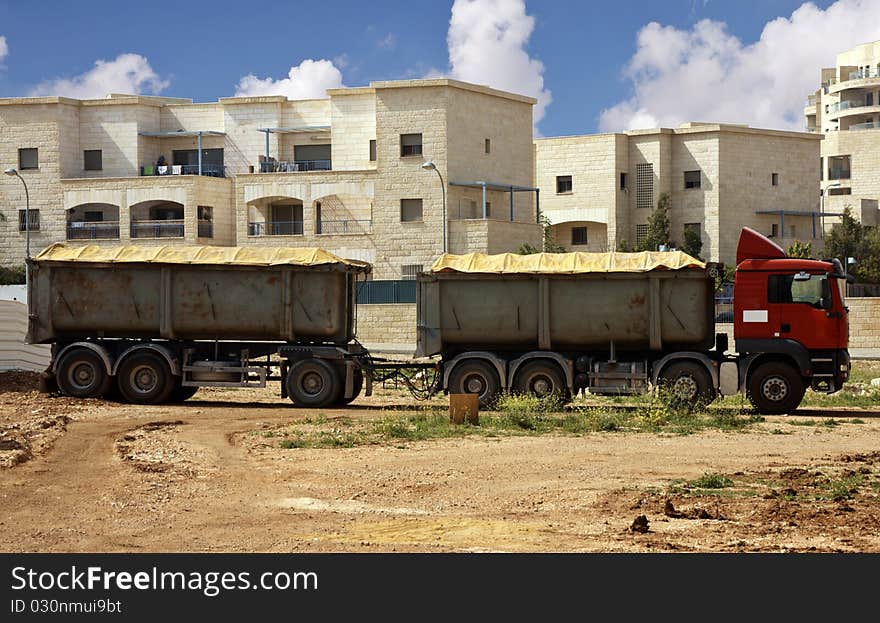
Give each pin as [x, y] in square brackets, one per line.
[210, 170]
[870, 125]
[206, 229]
[157, 229]
[386, 292]
[348, 226]
[861, 75]
[92, 230]
[811, 101]
[276, 228]
[292, 166]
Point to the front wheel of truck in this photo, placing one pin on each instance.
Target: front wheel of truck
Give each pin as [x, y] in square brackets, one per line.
[775, 388]
[81, 373]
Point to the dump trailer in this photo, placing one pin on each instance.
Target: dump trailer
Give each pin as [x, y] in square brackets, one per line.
[156, 323]
[620, 323]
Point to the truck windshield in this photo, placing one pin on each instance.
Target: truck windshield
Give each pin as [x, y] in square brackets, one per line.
[787, 289]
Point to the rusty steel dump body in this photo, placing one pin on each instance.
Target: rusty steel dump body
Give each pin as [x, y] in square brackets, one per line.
[175, 299]
[657, 310]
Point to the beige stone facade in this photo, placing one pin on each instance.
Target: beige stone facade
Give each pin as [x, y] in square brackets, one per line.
[846, 109]
[343, 173]
[599, 190]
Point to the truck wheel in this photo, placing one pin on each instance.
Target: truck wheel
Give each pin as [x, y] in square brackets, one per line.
[775, 388]
[81, 374]
[181, 393]
[542, 379]
[688, 383]
[475, 377]
[313, 383]
[358, 386]
[144, 378]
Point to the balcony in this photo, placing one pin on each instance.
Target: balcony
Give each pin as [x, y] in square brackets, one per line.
[861, 75]
[169, 228]
[870, 125]
[347, 226]
[292, 166]
[811, 101]
[275, 228]
[84, 230]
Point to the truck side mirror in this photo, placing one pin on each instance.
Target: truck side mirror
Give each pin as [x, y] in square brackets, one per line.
[825, 301]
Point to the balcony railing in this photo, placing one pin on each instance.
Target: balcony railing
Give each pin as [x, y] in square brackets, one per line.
[206, 229]
[91, 230]
[344, 227]
[210, 170]
[811, 129]
[846, 105]
[811, 100]
[291, 166]
[861, 75]
[276, 228]
[157, 229]
[870, 125]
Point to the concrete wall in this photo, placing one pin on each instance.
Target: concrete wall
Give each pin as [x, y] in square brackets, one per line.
[864, 330]
[387, 324]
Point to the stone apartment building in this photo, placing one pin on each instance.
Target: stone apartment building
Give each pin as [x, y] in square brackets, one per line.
[846, 109]
[343, 173]
[599, 190]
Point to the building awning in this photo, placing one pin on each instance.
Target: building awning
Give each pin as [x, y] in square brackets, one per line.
[186, 133]
[505, 188]
[297, 129]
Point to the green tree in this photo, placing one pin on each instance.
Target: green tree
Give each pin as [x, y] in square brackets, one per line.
[693, 244]
[800, 249]
[658, 226]
[849, 238]
[12, 275]
[623, 246]
[549, 243]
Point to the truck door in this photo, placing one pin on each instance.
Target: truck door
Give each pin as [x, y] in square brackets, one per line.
[798, 307]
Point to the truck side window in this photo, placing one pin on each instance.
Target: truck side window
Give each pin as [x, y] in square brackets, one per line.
[785, 289]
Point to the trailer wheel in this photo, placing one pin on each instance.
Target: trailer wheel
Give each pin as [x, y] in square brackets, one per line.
[145, 378]
[775, 388]
[313, 383]
[81, 374]
[688, 383]
[543, 379]
[475, 377]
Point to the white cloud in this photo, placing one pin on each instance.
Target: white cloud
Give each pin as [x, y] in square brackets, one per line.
[308, 80]
[389, 42]
[127, 73]
[707, 74]
[4, 49]
[487, 45]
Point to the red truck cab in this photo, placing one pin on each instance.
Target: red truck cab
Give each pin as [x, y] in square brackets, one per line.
[790, 324]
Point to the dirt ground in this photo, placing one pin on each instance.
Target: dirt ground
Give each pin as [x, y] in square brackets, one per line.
[98, 476]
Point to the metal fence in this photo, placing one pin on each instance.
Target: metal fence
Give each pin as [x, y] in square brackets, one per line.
[276, 228]
[343, 226]
[384, 292]
[157, 229]
[104, 230]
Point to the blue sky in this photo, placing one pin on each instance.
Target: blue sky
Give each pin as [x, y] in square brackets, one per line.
[203, 50]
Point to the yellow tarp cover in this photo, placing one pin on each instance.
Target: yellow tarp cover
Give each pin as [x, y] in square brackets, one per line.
[239, 256]
[565, 263]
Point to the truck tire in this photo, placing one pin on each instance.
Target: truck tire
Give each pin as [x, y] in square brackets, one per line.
[181, 393]
[313, 383]
[144, 378]
[775, 388]
[542, 379]
[81, 373]
[475, 377]
[688, 382]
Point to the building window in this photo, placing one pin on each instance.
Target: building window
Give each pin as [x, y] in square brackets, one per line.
[644, 185]
[488, 146]
[821, 168]
[410, 144]
[774, 230]
[411, 271]
[578, 235]
[410, 210]
[93, 216]
[840, 191]
[92, 160]
[838, 167]
[774, 179]
[34, 224]
[373, 150]
[28, 158]
[563, 184]
[641, 233]
[623, 181]
[692, 179]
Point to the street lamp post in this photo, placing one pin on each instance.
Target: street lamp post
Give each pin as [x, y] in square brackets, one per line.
[430, 166]
[822, 208]
[27, 225]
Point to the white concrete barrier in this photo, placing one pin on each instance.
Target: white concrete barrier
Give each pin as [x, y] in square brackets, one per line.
[14, 353]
